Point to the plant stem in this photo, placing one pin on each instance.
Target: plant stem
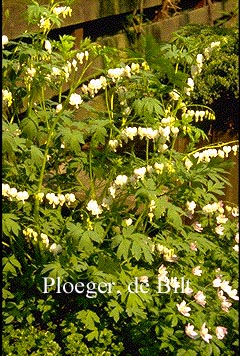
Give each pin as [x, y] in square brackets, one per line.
[147, 151]
[93, 194]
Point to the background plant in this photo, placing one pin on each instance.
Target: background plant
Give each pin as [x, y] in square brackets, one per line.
[105, 195]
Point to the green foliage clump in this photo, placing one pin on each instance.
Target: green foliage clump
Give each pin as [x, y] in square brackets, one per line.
[219, 78]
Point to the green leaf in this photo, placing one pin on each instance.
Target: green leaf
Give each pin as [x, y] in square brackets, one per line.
[10, 225]
[189, 352]
[88, 318]
[148, 106]
[123, 249]
[72, 138]
[135, 306]
[92, 335]
[74, 230]
[9, 269]
[173, 217]
[15, 262]
[29, 126]
[216, 350]
[54, 270]
[93, 235]
[85, 243]
[108, 265]
[161, 206]
[9, 319]
[174, 321]
[146, 252]
[36, 156]
[7, 294]
[136, 250]
[116, 310]
[208, 350]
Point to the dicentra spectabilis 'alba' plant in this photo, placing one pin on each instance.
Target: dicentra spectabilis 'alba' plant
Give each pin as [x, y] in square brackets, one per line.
[100, 204]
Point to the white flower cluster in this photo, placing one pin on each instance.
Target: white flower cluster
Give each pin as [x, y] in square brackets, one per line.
[226, 288]
[30, 233]
[152, 207]
[7, 97]
[198, 115]
[114, 144]
[220, 331]
[206, 155]
[94, 208]
[191, 205]
[12, 193]
[162, 273]
[139, 174]
[121, 180]
[168, 254]
[94, 86]
[4, 40]
[58, 199]
[65, 71]
[75, 100]
[62, 10]
[214, 207]
[234, 211]
[30, 73]
[115, 74]
[55, 249]
[118, 73]
[190, 86]
[197, 271]
[197, 68]
[45, 23]
[221, 219]
[200, 298]
[207, 51]
[128, 133]
[48, 46]
[174, 94]
[80, 56]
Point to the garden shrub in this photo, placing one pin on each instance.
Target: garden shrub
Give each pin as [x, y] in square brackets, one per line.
[114, 241]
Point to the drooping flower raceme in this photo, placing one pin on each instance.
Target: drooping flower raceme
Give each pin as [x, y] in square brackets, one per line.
[121, 180]
[94, 207]
[190, 86]
[140, 172]
[75, 100]
[62, 10]
[55, 249]
[7, 97]
[12, 193]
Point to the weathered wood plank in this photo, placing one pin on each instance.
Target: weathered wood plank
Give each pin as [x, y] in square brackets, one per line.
[83, 11]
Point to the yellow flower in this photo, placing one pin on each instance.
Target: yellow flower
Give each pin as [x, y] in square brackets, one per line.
[7, 96]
